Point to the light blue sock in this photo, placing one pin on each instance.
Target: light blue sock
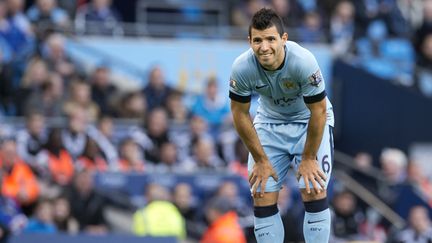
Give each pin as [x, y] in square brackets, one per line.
[269, 229]
[316, 226]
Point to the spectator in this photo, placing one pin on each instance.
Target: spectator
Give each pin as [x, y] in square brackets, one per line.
[197, 128]
[184, 200]
[212, 107]
[103, 136]
[156, 90]
[224, 226]
[86, 205]
[239, 165]
[242, 13]
[347, 216]
[157, 131]
[289, 10]
[412, 12]
[15, 33]
[30, 141]
[60, 162]
[394, 165]
[387, 11]
[230, 192]
[12, 220]
[43, 219]
[133, 105]
[425, 55]
[46, 16]
[102, 89]
[425, 27]
[204, 158]
[54, 53]
[342, 28]
[80, 96]
[74, 137]
[420, 180]
[63, 219]
[35, 75]
[179, 120]
[311, 29]
[92, 158]
[98, 18]
[18, 182]
[364, 164]
[18, 18]
[159, 217]
[131, 159]
[70, 6]
[49, 100]
[168, 159]
[419, 229]
[178, 113]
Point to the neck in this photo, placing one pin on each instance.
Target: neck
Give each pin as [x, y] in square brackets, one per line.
[280, 64]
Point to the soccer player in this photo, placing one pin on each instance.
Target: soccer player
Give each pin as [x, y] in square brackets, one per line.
[292, 127]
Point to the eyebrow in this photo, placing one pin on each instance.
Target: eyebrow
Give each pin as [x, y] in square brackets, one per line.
[267, 37]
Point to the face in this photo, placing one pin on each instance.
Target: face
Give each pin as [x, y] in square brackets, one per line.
[36, 124]
[61, 208]
[268, 47]
[419, 219]
[183, 195]
[158, 122]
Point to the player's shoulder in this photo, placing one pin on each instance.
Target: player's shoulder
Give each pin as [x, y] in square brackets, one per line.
[244, 62]
[299, 57]
[298, 53]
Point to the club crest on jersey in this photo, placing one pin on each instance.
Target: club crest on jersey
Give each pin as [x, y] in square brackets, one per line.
[233, 84]
[316, 78]
[288, 84]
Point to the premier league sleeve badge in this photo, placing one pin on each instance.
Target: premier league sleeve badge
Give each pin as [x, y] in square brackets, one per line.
[316, 78]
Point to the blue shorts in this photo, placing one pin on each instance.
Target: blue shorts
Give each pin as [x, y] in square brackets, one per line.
[283, 145]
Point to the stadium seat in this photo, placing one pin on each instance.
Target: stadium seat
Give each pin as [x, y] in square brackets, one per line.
[364, 47]
[425, 82]
[397, 49]
[380, 67]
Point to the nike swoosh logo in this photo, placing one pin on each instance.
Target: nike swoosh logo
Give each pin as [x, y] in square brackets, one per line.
[260, 87]
[263, 227]
[316, 221]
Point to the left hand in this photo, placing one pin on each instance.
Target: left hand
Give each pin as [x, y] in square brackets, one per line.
[311, 172]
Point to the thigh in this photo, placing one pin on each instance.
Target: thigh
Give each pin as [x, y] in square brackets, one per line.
[275, 147]
[324, 155]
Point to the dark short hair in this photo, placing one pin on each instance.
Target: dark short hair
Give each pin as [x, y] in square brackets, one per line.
[264, 19]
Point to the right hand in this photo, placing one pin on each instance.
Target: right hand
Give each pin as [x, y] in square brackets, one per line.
[259, 176]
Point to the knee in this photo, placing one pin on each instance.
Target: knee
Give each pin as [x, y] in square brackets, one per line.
[316, 204]
[312, 196]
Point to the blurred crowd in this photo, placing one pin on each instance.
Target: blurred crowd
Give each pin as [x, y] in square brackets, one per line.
[391, 39]
[78, 123]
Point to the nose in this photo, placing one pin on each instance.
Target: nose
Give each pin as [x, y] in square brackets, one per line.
[264, 46]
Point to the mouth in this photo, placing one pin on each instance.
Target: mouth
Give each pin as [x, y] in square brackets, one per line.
[267, 55]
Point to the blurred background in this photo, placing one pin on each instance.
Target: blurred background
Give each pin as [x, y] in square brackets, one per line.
[115, 122]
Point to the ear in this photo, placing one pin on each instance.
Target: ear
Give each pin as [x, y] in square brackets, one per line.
[285, 36]
[249, 41]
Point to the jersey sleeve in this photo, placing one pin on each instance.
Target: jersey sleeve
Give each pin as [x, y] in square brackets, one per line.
[311, 79]
[239, 89]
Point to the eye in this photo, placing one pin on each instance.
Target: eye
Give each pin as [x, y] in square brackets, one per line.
[257, 41]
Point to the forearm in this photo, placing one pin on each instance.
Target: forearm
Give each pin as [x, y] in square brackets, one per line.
[247, 133]
[314, 136]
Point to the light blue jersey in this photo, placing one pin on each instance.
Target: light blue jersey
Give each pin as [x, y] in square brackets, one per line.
[283, 92]
[282, 114]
